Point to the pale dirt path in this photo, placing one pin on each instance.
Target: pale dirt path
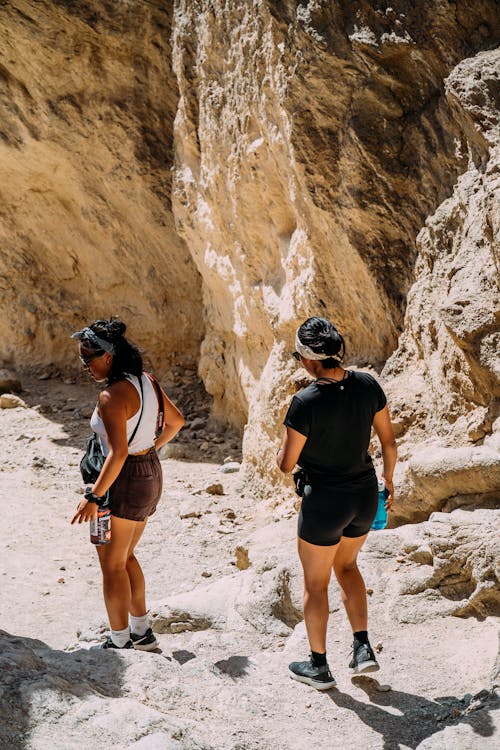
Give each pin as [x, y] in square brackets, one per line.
[51, 591]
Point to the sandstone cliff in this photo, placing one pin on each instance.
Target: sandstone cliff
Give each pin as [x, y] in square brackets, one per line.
[86, 150]
[215, 172]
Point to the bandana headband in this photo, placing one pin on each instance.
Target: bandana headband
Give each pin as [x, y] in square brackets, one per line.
[97, 343]
[308, 353]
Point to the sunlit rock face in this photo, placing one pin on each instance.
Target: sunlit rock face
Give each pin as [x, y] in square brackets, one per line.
[312, 143]
[451, 340]
[443, 379]
[88, 102]
[216, 172]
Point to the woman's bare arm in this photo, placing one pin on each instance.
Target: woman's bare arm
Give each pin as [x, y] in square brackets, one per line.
[172, 421]
[114, 409]
[290, 450]
[383, 427]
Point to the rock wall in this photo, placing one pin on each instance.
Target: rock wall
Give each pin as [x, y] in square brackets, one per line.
[312, 142]
[443, 379]
[451, 334]
[88, 102]
[216, 172]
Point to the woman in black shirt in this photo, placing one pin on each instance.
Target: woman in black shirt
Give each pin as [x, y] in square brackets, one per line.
[328, 427]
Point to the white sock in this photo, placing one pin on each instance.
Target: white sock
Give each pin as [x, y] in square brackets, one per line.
[139, 625]
[120, 637]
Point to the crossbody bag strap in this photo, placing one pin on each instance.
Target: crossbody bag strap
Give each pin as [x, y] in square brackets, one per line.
[140, 415]
[161, 411]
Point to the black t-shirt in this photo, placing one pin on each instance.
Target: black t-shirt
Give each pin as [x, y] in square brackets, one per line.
[337, 418]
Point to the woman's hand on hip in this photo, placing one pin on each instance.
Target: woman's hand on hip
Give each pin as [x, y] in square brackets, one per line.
[85, 512]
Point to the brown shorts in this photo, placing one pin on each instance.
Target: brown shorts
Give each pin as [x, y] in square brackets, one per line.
[135, 492]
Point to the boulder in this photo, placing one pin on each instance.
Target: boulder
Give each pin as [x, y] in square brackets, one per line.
[9, 401]
[450, 566]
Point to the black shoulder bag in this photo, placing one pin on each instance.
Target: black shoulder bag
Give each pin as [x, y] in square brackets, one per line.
[93, 458]
[160, 420]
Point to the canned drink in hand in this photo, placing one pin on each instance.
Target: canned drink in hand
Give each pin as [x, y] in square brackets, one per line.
[100, 527]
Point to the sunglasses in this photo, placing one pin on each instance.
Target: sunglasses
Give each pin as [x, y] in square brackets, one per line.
[296, 356]
[87, 359]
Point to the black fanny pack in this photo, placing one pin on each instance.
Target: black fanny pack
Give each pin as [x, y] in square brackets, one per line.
[300, 479]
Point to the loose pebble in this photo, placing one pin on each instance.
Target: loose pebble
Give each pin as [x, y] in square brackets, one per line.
[215, 489]
[242, 561]
[230, 467]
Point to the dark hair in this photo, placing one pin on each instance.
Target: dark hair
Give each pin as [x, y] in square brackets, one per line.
[323, 338]
[127, 357]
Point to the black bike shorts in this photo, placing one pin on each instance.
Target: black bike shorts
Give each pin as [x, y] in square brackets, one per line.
[329, 512]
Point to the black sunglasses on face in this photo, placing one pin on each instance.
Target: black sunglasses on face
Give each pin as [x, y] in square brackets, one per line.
[87, 359]
[296, 356]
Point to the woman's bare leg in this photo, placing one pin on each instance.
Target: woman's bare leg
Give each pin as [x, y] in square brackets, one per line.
[317, 564]
[136, 576]
[352, 585]
[115, 578]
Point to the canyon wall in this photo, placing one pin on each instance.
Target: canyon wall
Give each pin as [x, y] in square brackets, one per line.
[215, 172]
[312, 142]
[86, 150]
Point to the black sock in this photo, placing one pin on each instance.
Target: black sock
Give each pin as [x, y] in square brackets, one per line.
[319, 660]
[361, 636]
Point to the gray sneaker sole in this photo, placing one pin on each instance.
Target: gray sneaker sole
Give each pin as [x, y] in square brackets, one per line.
[313, 683]
[146, 646]
[364, 667]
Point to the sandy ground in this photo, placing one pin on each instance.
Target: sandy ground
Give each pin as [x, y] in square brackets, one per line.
[228, 688]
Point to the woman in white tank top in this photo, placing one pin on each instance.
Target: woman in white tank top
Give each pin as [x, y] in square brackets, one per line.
[125, 419]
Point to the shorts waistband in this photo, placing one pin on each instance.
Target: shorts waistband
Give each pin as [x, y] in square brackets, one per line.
[142, 455]
[339, 479]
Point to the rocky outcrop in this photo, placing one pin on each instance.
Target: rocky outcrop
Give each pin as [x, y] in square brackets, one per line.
[78, 690]
[259, 600]
[327, 196]
[299, 196]
[446, 566]
[438, 477]
[451, 338]
[443, 379]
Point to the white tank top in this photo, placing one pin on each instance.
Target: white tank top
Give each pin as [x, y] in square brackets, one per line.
[145, 435]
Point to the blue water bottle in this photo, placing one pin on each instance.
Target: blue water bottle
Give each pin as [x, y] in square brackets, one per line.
[380, 520]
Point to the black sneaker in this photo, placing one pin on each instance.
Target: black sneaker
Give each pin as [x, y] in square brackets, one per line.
[363, 659]
[146, 642]
[108, 643]
[318, 677]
